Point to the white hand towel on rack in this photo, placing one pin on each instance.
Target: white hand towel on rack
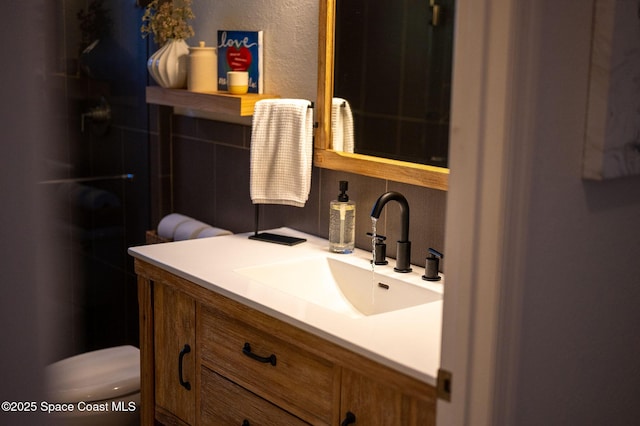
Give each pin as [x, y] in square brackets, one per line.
[281, 152]
[341, 125]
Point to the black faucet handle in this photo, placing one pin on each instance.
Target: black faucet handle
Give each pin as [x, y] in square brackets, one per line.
[435, 253]
[379, 250]
[377, 236]
[432, 265]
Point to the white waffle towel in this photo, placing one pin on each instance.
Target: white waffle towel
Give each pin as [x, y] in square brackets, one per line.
[341, 125]
[281, 152]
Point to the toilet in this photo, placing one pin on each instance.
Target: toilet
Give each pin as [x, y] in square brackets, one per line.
[101, 387]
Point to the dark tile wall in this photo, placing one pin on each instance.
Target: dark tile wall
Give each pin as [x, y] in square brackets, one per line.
[94, 303]
[411, 77]
[96, 298]
[202, 171]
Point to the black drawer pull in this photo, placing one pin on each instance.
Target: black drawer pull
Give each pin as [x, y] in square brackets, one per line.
[349, 419]
[245, 422]
[183, 352]
[271, 359]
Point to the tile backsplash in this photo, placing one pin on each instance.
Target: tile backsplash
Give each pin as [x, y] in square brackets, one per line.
[200, 168]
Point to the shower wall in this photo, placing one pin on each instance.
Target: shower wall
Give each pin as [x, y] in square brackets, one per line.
[96, 174]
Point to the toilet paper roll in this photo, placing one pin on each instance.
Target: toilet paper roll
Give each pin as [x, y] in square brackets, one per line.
[188, 230]
[168, 225]
[211, 231]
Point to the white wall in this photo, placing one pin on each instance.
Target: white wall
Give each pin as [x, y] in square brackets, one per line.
[23, 247]
[580, 353]
[547, 335]
[290, 38]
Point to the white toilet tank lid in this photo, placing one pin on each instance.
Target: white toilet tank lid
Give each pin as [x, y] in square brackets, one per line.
[95, 376]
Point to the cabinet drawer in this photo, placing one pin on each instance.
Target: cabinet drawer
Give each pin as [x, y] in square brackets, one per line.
[225, 403]
[277, 370]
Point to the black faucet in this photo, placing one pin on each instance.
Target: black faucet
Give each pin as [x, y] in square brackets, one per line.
[403, 257]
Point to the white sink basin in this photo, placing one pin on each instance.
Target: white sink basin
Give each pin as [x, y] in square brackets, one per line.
[340, 286]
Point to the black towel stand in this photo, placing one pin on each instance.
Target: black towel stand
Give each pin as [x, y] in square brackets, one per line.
[272, 238]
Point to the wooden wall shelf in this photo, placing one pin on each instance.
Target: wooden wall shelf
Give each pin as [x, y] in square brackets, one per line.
[216, 102]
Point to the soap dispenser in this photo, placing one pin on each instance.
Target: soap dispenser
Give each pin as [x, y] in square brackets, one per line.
[342, 222]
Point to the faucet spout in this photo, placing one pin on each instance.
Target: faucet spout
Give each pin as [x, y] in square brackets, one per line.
[404, 210]
[403, 258]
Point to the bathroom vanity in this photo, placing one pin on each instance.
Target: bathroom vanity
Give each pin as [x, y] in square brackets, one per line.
[240, 332]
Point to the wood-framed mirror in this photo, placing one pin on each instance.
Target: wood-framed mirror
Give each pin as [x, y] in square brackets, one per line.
[324, 156]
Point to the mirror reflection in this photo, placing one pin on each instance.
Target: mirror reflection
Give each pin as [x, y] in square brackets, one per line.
[392, 79]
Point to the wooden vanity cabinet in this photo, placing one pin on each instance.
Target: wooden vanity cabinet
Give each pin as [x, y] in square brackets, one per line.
[245, 367]
[374, 403]
[234, 405]
[174, 339]
[245, 346]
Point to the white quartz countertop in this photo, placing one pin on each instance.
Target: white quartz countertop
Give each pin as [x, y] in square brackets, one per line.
[407, 340]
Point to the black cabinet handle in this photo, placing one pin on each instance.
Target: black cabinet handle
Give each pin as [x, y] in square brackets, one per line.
[271, 359]
[349, 419]
[183, 352]
[245, 422]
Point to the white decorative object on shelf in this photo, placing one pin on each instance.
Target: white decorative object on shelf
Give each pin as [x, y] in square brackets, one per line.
[203, 69]
[168, 65]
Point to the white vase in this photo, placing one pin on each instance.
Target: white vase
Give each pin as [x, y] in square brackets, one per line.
[168, 65]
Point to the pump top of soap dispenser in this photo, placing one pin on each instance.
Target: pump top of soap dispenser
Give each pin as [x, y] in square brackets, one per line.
[344, 186]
